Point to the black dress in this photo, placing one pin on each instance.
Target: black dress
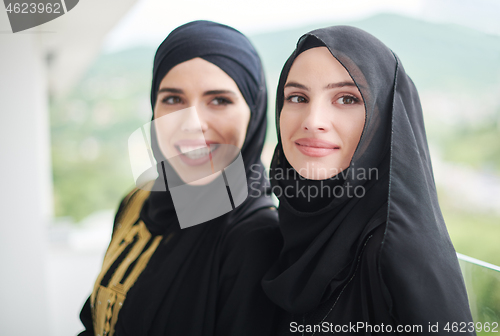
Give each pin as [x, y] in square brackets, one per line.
[368, 303]
[228, 297]
[381, 260]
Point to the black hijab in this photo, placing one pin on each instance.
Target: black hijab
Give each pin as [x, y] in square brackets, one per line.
[321, 247]
[234, 54]
[189, 264]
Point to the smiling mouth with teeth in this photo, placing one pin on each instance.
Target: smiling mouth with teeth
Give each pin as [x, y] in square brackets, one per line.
[195, 152]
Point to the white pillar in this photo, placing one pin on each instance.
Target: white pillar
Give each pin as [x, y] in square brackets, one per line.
[25, 185]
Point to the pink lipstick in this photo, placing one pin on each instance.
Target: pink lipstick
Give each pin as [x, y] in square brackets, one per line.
[316, 147]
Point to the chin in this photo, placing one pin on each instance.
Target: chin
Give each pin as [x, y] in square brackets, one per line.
[204, 180]
[311, 173]
[317, 175]
[316, 170]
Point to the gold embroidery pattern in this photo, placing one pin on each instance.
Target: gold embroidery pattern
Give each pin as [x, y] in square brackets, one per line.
[132, 234]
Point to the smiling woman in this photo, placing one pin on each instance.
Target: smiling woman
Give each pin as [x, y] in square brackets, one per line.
[221, 117]
[322, 117]
[208, 94]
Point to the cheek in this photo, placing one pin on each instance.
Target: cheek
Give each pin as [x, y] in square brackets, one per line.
[245, 120]
[166, 129]
[232, 128]
[288, 125]
[160, 109]
[164, 143]
[354, 127]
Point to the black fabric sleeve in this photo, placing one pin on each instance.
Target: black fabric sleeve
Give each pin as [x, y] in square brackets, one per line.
[86, 318]
[121, 207]
[243, 307]
[437, 302]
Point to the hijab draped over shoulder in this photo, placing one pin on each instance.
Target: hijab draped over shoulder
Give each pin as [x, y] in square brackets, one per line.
[392, 167]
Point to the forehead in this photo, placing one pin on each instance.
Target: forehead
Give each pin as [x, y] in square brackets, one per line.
[317, 64]
[197, 72]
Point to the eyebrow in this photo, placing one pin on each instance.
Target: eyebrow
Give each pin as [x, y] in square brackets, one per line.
[339, 84]
[297, 85]
[171, 90]
[218, 92]
[329, 86]
[206, 93]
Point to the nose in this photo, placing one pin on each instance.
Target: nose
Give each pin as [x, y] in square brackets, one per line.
[193, 121]
[316, 119]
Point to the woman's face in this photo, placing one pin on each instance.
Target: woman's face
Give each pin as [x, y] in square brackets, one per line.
[191, 139]
[323, 115]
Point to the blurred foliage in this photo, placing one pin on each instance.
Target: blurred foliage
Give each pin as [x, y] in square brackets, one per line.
[483, 289]
[477, 146]
[90, 129]
[473, 234]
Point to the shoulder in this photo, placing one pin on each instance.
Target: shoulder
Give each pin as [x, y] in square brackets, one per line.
[257, 235]
[136, 196]
[262, 222]
[261, 219]
[130, 206]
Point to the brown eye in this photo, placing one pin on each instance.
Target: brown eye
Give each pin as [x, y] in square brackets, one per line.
[221, 101]
[347, 100]
[172, 100]
[296, 99]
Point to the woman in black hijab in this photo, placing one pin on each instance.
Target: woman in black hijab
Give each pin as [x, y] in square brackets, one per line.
[366, 250]
[159, 279]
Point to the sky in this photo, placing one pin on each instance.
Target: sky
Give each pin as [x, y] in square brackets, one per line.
[150, 21]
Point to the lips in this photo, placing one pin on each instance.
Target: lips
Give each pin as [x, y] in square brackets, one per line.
[195, 152]
[316, 147]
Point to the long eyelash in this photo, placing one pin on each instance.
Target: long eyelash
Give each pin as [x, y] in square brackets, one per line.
[356, 99]
[224, 100]
[164, 100]
[294, 95]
